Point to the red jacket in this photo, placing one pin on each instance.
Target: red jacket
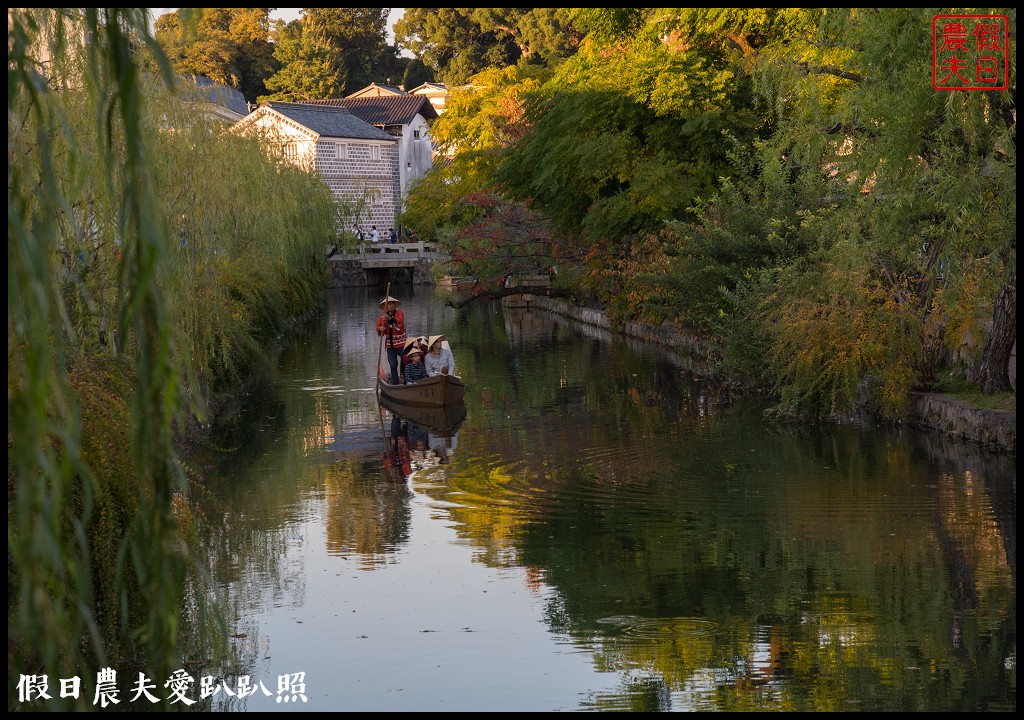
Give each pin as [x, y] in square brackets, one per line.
[396, 336]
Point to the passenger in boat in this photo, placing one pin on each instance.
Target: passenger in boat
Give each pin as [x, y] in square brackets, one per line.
[419, 341]
[439, 359]
[414, 370]
[391, 326]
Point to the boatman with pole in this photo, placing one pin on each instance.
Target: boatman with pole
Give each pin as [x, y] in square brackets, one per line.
[391, 325]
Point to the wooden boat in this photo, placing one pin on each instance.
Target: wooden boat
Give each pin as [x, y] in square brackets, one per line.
[455, 282]
[432, 392]
[443, 421]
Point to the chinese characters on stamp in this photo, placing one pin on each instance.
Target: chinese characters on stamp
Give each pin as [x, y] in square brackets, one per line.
[970, 52]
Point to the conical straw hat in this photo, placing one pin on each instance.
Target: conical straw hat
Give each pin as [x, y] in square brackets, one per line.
[388, 299]
[434, 339]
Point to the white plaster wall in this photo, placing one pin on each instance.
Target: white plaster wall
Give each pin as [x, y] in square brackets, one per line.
[416, 155]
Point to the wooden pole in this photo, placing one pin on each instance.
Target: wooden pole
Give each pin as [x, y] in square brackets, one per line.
[387, 294]
[383, 434]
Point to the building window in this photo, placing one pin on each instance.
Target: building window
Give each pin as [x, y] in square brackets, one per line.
[291, 151]
[415, 134]
[375, 152]
[342, 150]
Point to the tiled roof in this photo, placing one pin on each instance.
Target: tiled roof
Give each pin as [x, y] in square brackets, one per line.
[328, 121]
[214, 92]
[384, 110]
[430, 87]
[377, 89]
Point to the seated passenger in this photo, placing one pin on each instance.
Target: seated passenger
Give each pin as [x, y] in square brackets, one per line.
[419, 341]
[414, 370]
[439, 359]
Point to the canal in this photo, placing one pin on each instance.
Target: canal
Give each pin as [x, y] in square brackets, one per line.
[608, 530]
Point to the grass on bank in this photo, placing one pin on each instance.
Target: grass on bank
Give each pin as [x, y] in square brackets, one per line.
[968, 393]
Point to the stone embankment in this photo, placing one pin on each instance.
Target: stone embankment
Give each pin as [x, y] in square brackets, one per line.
[994, 429]
[693, 347]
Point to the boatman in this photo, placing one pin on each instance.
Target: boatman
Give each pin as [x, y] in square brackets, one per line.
[391, 326]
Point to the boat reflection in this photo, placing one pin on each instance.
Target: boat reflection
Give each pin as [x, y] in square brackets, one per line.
[397, 459]
[419, 436]
[443, 421]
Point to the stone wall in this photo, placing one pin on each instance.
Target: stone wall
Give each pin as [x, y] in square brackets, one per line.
[996, 429]
[421, 274]
[363, 170]
[697, 348]
[993, 429]
[347, 272]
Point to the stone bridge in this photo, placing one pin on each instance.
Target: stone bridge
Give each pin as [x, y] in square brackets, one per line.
[374, 264]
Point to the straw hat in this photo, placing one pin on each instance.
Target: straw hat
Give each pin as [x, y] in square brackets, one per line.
[388, 299]
[413, 351]
[434, 339]
[419, 340]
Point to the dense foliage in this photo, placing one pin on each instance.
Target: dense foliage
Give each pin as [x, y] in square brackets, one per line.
[458, 43]
[231, 46]
[787, 181]
[152, 260]
[325, 53]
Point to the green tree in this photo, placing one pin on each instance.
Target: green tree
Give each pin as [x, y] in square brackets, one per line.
[915, 195]
[251, 29]
[312, 65]
[415, 74]
[460, 42]
[488, 235]
[361, 35]
[229, 45]
[627, 136]
[331, 53]
[787, 179]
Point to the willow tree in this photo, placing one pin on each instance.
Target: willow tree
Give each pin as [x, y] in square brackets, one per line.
[51, 602]
[911, 194]
[149, 259]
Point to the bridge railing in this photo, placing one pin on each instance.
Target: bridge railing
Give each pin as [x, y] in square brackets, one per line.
[402, 250]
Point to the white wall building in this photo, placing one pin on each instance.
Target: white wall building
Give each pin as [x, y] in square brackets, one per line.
[359, 162]
[406, 117]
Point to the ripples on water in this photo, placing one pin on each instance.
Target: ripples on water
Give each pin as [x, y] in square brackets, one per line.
[614, 531]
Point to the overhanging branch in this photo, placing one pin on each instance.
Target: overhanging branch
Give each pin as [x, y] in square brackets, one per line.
[830, 70]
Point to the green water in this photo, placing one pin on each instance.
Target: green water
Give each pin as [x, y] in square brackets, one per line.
[611, 531]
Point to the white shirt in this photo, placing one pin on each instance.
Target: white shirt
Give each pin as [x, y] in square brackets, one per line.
[434, 363]
[374, 236]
